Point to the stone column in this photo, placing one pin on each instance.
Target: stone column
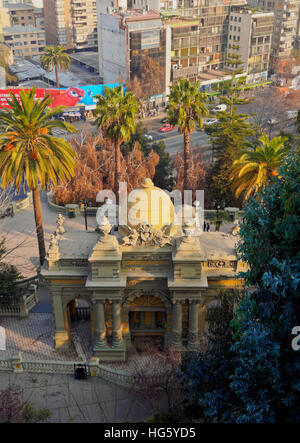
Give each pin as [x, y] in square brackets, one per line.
[99, 327]
[61, 337]
[116, 324]
[193, 336]
[177, 325]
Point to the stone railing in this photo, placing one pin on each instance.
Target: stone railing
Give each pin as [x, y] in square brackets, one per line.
[118, 377]
[17, 364]
[26, 300]
[235, 213]
[22, 204]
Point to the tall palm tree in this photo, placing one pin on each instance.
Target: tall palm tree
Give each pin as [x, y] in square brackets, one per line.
[57, 58]
[257, 165]
[116, 114]
[186, 108]
[30, 154]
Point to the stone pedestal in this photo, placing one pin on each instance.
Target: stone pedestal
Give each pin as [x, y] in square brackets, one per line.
[61, 340]
[94, 366]
[16, 362]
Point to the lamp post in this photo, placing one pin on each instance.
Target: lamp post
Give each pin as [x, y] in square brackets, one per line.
[84, 205]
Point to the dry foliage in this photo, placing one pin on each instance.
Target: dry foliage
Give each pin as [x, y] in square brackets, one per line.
[149, 81]
[95, 171]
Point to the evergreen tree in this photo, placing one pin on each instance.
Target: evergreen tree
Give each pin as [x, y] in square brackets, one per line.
[9, 276]
[227, 137]
[260, 369]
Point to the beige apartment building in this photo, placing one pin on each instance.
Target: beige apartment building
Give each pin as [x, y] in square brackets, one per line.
[71, 23]
[197, 32]
[286, 23]
[249, 40]
[25, 41]
[21, 14]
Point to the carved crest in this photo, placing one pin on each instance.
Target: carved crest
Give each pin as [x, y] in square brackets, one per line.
[145, 234]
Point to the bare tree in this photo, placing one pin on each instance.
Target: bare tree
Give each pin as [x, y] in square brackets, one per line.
[155, 377]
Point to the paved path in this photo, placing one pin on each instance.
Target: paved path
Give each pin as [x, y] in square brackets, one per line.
[20, 233]
[82, 401]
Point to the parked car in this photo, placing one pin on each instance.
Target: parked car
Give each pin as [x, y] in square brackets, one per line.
[272, 121]
[164, 120]
[166, 128]
[210, 121]
[221, 107]
[291, 114]
[148, 136]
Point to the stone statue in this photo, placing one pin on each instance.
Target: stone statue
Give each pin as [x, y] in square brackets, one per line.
[59, 225]
[105, 226]
[53, 251]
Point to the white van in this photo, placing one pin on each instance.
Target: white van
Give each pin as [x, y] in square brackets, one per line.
[291, 114]
[221, 107]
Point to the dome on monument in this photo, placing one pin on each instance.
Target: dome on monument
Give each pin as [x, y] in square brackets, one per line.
[149, 204]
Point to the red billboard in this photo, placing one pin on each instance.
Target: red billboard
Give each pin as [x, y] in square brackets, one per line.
[61, 97]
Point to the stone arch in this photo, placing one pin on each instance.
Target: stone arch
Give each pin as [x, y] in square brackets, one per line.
[133, 294]
[69, 296]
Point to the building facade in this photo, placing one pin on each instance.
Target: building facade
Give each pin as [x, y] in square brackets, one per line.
[286, 26]
[126, 38]
[249, 40]
[21, 14]
[71, 24]
[25, 41]
[151, 281]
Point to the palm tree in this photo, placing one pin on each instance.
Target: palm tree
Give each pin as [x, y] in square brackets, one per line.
[57, 58]
[30, 154]
[186, 108]
[257, 165]
[116, 113]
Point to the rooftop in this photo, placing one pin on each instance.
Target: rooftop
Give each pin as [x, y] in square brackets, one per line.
[20, 29]
[132, 15]
[87, 58]
[19, 6]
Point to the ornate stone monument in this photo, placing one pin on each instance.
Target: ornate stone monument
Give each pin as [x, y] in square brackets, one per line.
[148, 279]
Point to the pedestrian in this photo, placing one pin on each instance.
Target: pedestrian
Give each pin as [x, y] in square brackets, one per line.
[207, 227]
[204, 226]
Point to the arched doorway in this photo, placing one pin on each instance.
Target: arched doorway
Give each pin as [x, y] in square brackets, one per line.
[147, 316]
[79, 322]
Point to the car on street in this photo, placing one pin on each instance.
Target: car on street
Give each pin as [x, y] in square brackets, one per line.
[166, 128]
[272, 121]
[221, 107]
[210, 121]
[164, 120]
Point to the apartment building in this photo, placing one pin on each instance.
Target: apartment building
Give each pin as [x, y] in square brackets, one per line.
[25, 41]
[21, 14]
[71, 23]
[4, 18]
[125, 38]
[249, 40]
[198, 30]
[286, 24]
